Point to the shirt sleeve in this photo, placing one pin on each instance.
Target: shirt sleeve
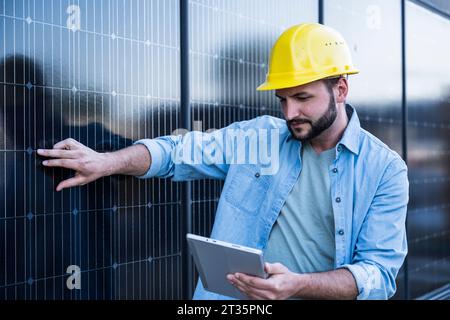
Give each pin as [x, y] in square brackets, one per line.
[156, 151]
[381, 246]
[195, 155]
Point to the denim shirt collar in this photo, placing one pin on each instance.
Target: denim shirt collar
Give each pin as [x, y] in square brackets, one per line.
[350, 138]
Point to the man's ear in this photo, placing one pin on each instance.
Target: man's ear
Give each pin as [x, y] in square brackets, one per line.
[342, 90]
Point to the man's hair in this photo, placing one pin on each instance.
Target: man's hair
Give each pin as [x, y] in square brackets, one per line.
[330, 83]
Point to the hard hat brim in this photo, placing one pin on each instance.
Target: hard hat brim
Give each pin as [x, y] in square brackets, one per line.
[283, 84]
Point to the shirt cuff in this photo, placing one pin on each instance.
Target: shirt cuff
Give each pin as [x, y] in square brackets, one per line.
[156, 155]
[361, 277]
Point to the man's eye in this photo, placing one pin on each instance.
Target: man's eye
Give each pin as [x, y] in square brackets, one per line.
[302, 98]
[282, 100]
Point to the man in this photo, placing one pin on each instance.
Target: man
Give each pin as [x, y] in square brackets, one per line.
[330, 218]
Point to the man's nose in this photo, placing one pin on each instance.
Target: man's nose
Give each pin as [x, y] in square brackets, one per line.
[291, 110]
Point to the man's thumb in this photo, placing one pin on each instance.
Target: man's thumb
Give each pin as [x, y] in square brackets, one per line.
[272, 268]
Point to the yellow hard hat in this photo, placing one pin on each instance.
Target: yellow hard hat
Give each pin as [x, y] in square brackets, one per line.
[305, 53]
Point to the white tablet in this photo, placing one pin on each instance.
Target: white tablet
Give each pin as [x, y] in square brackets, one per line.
[216, 259]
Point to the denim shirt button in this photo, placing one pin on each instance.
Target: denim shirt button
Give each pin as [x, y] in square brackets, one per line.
[257, 175]
[339, 148]
[335, 170]
[338, 199]
[341, 232]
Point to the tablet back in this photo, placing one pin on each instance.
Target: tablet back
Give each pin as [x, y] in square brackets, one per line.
[215, 259]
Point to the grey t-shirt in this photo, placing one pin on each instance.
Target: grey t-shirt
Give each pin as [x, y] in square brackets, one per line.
[302, 238]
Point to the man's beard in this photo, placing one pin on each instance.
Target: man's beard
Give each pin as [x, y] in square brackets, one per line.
[317, 127]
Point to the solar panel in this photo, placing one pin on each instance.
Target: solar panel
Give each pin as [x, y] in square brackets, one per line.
[105, 73]
[428, 94]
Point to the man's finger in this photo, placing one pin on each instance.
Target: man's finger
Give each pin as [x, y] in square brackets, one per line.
[248, 294]
[63, 163]
[67, 144]
[254, 282]
[72, 182]
[58, 153]
[274, 268]
[251, 292]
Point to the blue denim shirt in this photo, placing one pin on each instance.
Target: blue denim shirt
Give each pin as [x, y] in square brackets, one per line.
[369, 190]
